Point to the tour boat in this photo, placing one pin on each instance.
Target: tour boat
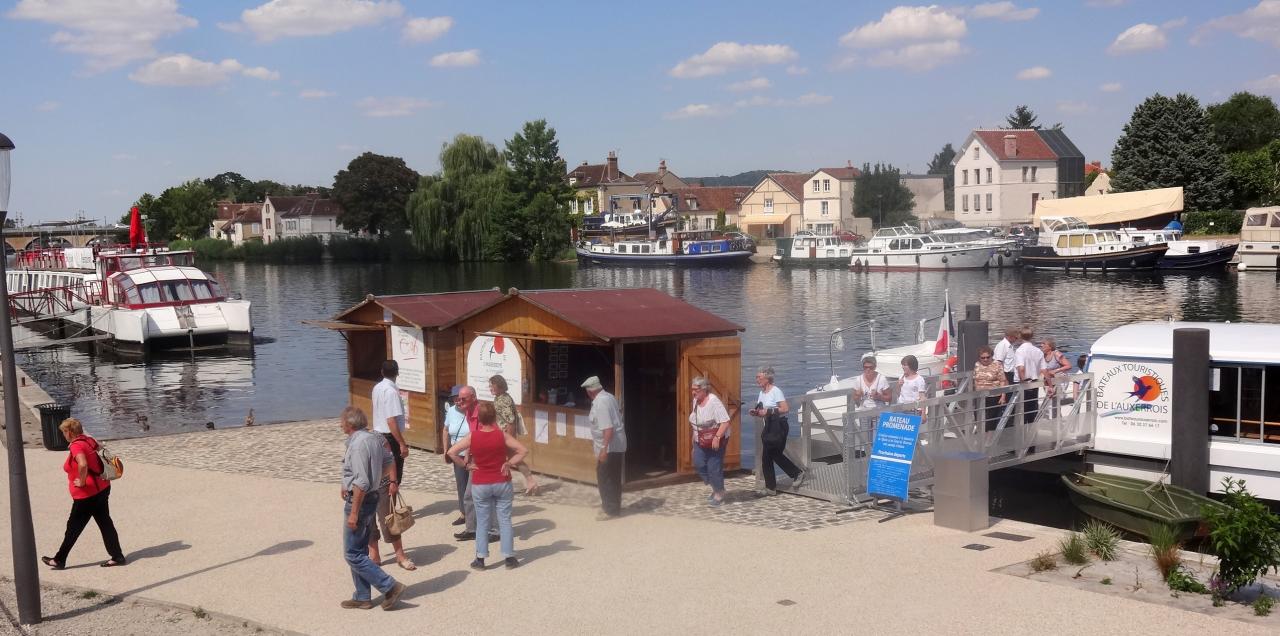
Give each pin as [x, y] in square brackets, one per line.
[682, 248]
[1067, 243]
[1182, 254]
[145, 298]
[1260, 239]
[905, 249]
[807, 248]
[1007, 252]
[1132, 368]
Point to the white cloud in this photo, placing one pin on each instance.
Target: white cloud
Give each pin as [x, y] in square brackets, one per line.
[1105, 4]
[1139, 37]
[1004, 11]
[1035, 73]
[392, 106]
[808, 99]
[1261, 23]
[1268, 84]
[426, 29]
[725, 56]
[695, 110]
[184, 70]
[919, 57]
[1173, 24]
[753, 84]
[315, 93]
[1111, 87]
[109, 33]
[47, 106]
[907, 24]
[1074, 108]
[812, 99]
[796, 69]
[262, 73]
[457, 59]
[301, 18]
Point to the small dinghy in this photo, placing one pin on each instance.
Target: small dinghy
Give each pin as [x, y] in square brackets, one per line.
[1137, 505]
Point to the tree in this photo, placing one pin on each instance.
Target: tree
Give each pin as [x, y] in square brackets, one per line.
[227, 186]
[879, 194]
[541, 193]
[454, 213]
[720, 219]
[373, 191]
[941, 164]
[187, 209]
[1255, 175]
[1244, 122]
[1168, 142]
[1022, 117]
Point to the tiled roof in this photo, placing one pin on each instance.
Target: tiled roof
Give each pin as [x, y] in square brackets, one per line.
[1030, 147]
[431, 310]
[727, 198]
[591, 175]
[248, 213]
[625, 314]
[792, 182]
[309, 205]
[846, 173]
[228, 210]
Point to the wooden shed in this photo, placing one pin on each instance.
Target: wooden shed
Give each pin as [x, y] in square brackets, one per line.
[644, 345]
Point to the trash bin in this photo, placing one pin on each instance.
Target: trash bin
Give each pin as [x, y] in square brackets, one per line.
[51, 416]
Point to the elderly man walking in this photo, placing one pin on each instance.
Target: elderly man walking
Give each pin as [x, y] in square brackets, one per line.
[609, 441]
[361, 474]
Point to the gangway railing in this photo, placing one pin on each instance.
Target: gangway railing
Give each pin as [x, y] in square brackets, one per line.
[1010, 425]
[52, 302]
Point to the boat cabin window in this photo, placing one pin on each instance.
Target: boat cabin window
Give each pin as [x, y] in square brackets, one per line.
[1089, 240]
[176, 290]
[150, 293]
[1258, 219]
[645, 249]
[1275, 219]
[1062, 241]
[1077, 240]
[1238, 406]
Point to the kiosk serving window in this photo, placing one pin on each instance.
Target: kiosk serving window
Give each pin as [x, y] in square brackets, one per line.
[560, 368]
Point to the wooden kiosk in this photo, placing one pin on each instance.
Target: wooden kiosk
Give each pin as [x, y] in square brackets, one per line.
[644, 345]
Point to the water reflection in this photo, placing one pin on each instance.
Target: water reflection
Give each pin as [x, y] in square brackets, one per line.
[299, 372]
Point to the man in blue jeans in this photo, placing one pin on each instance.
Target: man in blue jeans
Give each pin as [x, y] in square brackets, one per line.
[361, 476]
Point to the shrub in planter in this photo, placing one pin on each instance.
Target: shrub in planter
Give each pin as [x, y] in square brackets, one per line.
[1245, 535]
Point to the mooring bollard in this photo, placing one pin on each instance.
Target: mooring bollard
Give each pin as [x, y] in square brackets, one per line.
[960, 491]
[1189, 451]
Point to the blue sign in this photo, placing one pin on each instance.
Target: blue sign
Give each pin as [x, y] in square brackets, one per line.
[889, 469]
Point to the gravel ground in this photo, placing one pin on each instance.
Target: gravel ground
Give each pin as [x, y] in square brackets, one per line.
[70, 611]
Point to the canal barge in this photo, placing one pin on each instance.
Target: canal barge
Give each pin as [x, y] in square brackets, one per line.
[1133, 368]
[1066, 243]
[681, 248]
[1260, 239]
[904, 249]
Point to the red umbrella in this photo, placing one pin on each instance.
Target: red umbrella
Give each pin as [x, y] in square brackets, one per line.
[136, 234]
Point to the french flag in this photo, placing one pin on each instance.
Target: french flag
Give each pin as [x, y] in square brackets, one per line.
[946, 327]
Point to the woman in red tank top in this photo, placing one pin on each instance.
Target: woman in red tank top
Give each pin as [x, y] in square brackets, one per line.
[490, 455]
[89, 493]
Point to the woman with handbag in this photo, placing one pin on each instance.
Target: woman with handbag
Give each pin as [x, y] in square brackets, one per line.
[510, 421]
[493, 453]
[89, 495]
[772, 406]
[389, 499]
[710, 423]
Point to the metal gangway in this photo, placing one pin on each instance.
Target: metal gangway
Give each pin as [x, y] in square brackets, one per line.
[1006, 425]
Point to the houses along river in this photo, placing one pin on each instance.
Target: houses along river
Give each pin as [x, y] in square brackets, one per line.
[299, 372]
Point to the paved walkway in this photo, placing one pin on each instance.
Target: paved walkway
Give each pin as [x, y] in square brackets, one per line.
[247, 523]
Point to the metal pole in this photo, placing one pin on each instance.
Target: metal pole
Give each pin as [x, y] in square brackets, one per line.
[25, 575]
[1189, 449]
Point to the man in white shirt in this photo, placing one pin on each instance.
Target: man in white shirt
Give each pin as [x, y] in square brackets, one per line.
[388, 414]
[1030, 367]
[1004, 353]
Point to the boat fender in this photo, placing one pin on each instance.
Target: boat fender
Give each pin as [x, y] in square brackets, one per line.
[1133, 263]
[1242, 267]
[1008, 252]
[1000, 261]
[944, 260]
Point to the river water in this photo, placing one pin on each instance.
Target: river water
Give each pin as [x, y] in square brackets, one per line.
[299, 372]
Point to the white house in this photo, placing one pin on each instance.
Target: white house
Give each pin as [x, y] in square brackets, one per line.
[308, 215]
[237, 222]
[1000, 175]
[828, 200]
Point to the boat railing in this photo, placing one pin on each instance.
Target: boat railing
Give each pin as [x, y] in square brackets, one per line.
[1008, 426]
[52, 302]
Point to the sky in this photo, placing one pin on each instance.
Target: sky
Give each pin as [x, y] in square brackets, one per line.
[108, 99]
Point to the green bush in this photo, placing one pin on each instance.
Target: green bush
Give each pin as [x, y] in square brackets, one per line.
[1214, 222]
[1180, 579]
[1262, 605]
[1244, 534]
[389, 248]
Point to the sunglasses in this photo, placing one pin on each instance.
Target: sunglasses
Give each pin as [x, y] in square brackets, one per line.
[984, 357]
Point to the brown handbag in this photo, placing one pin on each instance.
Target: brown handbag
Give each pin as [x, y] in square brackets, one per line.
[401, 516]
[707, 436]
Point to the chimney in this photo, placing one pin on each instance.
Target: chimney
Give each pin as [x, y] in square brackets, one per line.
[662, 169]
[848, 163]
[611, 168]
[1010, 146]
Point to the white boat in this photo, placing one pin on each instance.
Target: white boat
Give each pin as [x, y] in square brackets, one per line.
[1068, 243]
[1133, 372]
[1260, 239]
[142, 299]
[1007, 252]
[807, 248]
[682, 248]
[1182, 254]
[906, 249]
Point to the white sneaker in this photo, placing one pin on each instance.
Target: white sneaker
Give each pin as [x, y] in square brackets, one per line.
[799, 480]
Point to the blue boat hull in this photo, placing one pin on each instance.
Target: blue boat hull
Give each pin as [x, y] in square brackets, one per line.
[1204, 260]
[718, 258]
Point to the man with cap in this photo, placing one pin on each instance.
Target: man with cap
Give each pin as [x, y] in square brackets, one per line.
[388, 414]
[455, 428]
[609, 441]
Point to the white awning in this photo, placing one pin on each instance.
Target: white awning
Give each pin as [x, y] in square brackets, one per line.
[1113, 208]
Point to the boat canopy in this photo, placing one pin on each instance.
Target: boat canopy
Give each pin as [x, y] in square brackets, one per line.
[1062, 224]
[1261, 224]
[1228, 342]
[1113, 208]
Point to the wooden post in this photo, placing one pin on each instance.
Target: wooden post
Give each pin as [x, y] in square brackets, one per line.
[1189, 451]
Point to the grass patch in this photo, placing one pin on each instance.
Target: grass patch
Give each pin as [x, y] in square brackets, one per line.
[200, 613]
[89, 594]
[1180, 579]
[1044, 562]
[1106, 581]
[1102, 539]
[1262, 605]
[1074, 549]
[1166, 549]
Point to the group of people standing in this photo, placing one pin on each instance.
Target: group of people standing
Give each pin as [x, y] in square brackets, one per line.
[1017, 359]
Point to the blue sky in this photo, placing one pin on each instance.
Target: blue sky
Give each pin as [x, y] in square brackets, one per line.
[107, 99]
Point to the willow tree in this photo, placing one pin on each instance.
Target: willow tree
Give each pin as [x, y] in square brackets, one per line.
[458, 213]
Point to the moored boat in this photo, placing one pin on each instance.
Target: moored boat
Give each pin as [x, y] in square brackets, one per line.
[682, 248]
[1138, 505]
[905, 249]
[1182, 254]
[1006, 252]
[1069, 244]
[1260, 239]
[807, 248]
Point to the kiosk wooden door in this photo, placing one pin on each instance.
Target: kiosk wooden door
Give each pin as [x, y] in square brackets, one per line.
[720, 361]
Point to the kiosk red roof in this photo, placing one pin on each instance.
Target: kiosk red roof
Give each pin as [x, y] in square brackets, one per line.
[630, 314]
[432, 310]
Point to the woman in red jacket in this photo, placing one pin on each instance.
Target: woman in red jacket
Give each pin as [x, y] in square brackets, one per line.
[89, 493]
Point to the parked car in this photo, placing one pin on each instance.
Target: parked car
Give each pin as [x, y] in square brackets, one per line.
[846, 236]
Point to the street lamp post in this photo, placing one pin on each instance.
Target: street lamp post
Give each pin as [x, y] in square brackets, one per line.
[25, 575]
